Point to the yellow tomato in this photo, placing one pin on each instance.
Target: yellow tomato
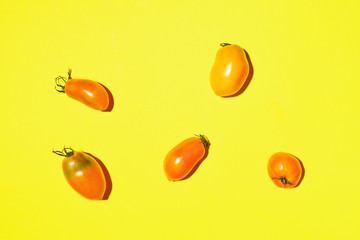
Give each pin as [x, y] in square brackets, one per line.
[229, 71]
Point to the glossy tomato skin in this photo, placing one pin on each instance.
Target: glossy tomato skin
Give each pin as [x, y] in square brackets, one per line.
[183, 157]
[284, 169]
[89, 92]
[229, 71]
[84, 175]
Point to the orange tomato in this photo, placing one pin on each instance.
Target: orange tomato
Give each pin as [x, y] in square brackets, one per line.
[183, 157]
[83, 173]
[284, 169]
[89, 92]
[229, 71]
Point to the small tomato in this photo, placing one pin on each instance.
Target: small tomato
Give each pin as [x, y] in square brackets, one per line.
[229, 71]
[183, 157]
[284, 169]
[83, 173]
[90, 93]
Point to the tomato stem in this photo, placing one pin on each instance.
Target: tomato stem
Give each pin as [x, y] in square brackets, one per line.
[69, 73]
[60, 84]
[224, 44]
[283, 180]
[66, 152]
[204, 140]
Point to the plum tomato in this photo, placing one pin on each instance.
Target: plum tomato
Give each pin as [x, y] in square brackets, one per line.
[285, 170]
[183, 157]
[83, 173]
[89, 92]
[229, 71]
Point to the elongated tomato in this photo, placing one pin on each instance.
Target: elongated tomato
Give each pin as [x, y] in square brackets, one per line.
[183, 157]
[83, 173]
[229, 71]
[89, 92]
[284, 170]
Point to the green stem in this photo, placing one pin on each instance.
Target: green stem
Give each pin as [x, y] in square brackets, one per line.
[66, 152]
[225, 44]
[60, 82]
[69, 73]
[204, 140]
[283, 180]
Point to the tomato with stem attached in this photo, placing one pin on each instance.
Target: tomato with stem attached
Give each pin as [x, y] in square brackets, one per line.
[83, 173]
[182, 159]
[89, 92]
[285, 170]
[229, 71]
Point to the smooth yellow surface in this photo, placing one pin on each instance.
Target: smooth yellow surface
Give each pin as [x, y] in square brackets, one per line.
[155, 57]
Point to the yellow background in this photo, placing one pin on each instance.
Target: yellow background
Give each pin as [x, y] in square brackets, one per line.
[155, 57]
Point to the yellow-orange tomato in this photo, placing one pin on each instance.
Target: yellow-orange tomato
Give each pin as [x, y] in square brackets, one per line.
[89, 92]
[229, 71]
[183, 157]
[284, 169]
[83, 173]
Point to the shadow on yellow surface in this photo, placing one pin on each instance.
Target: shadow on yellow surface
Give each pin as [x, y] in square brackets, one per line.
[302, 172]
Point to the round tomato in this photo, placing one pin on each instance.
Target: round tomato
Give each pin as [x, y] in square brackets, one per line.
[91, 93]
[183, 157]
[229, 71]
[83, 173]
[284, 169]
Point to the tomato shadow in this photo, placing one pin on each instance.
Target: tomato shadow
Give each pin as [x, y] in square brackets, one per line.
[197, 165]
[302, 173]
[248, 79]
[111, 99]
[106, 173]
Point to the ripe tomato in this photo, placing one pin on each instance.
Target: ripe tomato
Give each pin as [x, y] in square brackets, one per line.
[229, 71]
[183, 157]
[83, 173]
[91, 93]
[285, 170]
